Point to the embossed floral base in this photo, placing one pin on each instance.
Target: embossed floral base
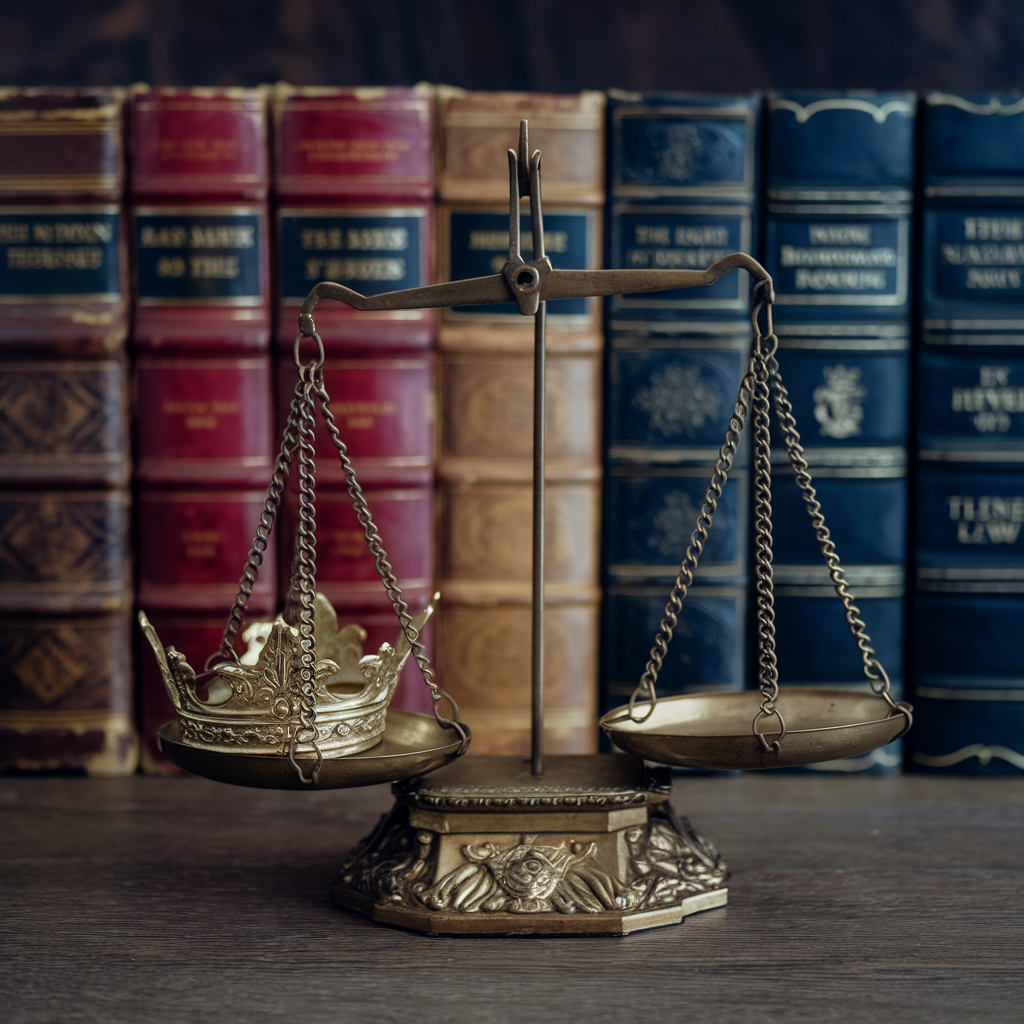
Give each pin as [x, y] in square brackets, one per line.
[575, 860]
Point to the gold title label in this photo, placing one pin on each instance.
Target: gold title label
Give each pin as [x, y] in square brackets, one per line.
[371, 151]
[987, 519]
[205, 150]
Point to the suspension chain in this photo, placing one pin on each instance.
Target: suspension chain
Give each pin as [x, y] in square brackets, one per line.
[304, 574]
[761, 381]
[767, 665]
[876, 674]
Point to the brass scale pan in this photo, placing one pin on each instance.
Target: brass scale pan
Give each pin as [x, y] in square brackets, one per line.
[709, 730]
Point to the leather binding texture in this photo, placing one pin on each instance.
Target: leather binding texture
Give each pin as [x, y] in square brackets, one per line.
[65, 568]
[968, 600]
[682, 193]
[485, 398]
[205, 436]
[354, 193]
[840, 173]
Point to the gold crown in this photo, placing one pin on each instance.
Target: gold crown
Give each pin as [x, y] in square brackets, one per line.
[253, 705]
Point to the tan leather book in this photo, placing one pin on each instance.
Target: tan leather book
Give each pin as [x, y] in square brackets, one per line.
[485, 403]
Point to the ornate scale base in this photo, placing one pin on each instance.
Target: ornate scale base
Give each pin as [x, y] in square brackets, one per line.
[483, 847]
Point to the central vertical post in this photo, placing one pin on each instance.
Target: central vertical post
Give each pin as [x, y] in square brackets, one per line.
[537, 652]
[539, 393]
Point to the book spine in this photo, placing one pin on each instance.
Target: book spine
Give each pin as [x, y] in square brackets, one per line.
[65, 584]
[968, 671]
[837, 243]
[682, 194]
[203, 377]
[354, 189]
[485, 400]
[63, 281]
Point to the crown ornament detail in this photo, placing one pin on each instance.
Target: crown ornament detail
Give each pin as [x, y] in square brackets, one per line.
[252, 705]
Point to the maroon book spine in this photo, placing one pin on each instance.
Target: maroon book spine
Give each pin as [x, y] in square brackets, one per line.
[205, 437]
[65, 567]
[354, 204]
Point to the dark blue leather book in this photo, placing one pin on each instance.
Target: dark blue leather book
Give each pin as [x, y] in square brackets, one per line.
[968, 662]
[837, 242]
[683, 172]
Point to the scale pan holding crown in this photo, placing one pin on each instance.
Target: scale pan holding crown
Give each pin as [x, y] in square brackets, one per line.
[585, 844]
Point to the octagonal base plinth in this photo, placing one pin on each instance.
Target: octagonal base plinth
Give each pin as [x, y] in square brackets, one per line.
[482, 847]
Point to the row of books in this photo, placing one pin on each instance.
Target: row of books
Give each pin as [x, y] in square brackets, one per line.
[194, 221]
[884, 217]
[158, 244]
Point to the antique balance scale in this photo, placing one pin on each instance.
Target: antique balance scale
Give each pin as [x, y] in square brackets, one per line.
[582, 844]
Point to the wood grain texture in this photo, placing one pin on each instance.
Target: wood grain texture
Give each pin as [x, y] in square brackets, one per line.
[867, 899]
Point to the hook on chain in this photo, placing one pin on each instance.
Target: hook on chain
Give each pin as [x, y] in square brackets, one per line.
[769, 710]
[644, 689]
[316, 364]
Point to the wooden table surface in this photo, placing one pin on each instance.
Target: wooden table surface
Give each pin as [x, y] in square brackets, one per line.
[852, 899]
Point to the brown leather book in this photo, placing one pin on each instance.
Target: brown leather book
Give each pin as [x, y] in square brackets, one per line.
[66, 693]
[65, 567]
[485, 400]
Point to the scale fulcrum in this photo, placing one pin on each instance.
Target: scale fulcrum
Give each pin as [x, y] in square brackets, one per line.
[585, 844]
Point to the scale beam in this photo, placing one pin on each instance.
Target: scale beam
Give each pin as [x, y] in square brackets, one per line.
[552, 284]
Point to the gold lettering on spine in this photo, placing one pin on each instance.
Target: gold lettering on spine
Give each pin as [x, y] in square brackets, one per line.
[200, 415]
[371, 151]
[363, 415]
[991, 401]
[207, 150]
[372, 239]
[987, 519]
[200, 543]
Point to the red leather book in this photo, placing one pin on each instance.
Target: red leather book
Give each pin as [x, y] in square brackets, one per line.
[354, 190]
[384, 411]
[199, 184]
[204, 420]
[64, 275]
[66, 693]
[192, 548]
[354, 204]
[354, 143]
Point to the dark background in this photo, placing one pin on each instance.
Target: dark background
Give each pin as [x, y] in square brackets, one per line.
[547, 45]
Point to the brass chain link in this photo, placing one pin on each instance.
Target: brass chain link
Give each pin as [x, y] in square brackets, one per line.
[762, 380]
[304, 574]
[767, 666]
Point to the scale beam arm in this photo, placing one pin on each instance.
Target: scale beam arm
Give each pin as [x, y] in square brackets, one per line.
[575, 284]
[527, 284]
